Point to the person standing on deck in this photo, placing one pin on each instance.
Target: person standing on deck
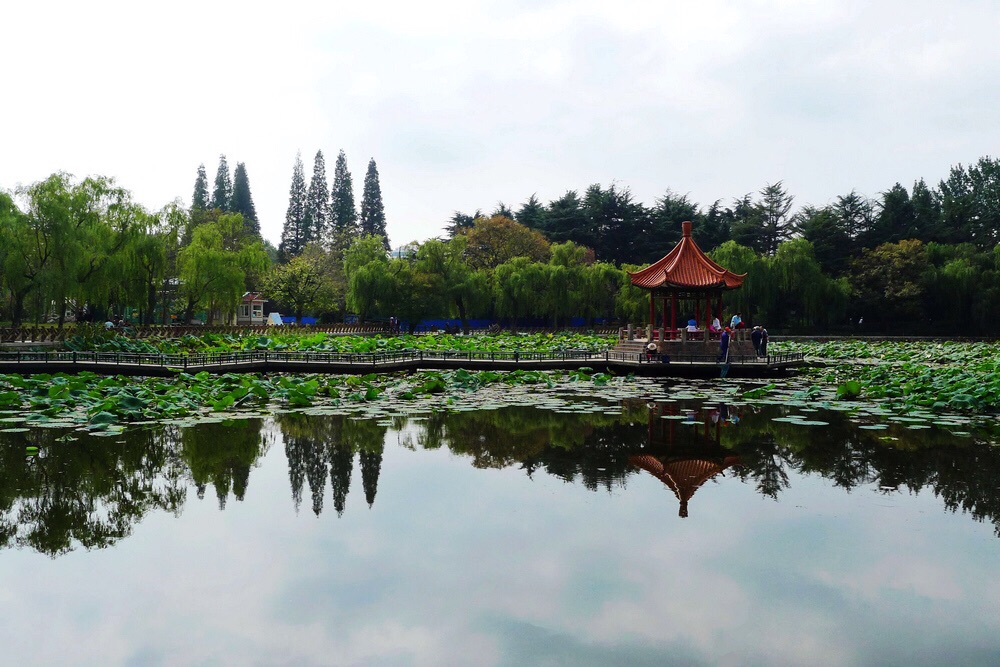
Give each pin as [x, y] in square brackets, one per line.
[763, 342]
[724, 345]
[755, 337]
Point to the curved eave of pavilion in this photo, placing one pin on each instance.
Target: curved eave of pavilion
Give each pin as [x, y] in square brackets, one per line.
[686, 267]
[683, 476]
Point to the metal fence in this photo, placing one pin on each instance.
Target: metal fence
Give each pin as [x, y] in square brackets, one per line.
[374, 359]
[53, 334]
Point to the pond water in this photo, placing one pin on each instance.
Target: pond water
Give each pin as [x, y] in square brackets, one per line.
[640, 532]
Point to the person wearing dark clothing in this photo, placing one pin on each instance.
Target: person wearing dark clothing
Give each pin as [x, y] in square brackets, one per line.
[755, 337]
[724, 345]
[763, 342]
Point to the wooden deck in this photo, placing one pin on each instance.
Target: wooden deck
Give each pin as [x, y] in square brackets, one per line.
[166, 365]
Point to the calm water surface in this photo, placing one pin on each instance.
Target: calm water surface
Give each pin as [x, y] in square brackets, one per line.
[669, 533]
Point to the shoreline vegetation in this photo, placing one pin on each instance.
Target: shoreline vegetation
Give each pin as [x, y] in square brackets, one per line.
[901, 379]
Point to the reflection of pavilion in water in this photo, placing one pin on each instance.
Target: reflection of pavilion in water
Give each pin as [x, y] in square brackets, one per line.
[686, 453]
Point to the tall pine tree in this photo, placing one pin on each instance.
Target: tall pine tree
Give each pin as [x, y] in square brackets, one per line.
[317, 217]
[242, 200]
[372, 211]
[199, 200]
[343, 216]
[223, 193]
[292, 234]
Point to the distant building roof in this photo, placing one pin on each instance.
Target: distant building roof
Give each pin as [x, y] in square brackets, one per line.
[686, 266]
[252, 296]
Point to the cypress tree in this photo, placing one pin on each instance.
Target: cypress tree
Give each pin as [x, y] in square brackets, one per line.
[372, 211]
[242, 201]
[343, 216]
[317, 214]
[292, 233]
[223, 193]
[199, 200]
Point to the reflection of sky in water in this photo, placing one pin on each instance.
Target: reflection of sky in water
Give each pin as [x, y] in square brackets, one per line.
[454, 565]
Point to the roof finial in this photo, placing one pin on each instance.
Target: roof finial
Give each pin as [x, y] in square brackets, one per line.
[686, 228]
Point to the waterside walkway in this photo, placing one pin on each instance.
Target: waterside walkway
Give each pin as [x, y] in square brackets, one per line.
[165, 365]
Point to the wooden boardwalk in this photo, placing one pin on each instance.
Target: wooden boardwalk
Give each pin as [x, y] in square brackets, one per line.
[166, 365]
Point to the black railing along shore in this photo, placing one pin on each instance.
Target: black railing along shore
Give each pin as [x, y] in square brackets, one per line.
[375, 359]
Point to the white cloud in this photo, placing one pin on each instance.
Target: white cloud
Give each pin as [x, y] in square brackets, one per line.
[465, 104]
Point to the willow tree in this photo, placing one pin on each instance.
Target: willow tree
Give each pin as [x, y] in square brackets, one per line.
[150, 261]
[414, 294]
[631, 302]
[520, 286]
[805, 295]
[599, 289]
[16, 266]
[214, 266]
[72, 232]
[464, 288]
[366, 268]
[757, 298]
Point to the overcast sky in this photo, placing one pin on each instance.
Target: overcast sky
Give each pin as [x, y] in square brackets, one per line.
[464, 104]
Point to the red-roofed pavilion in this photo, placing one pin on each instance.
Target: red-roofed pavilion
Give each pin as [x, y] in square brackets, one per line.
[686, 274]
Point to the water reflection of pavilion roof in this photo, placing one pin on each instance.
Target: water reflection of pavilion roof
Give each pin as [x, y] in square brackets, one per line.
[683, 476]
[684, 458]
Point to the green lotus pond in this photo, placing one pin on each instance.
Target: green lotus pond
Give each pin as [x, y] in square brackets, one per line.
[545, 519]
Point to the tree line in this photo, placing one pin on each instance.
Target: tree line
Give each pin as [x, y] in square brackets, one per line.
[910, 260]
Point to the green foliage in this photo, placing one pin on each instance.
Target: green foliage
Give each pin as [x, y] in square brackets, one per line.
[242, 200]
[214, 267]
[316, 221]
[962, 376]
[497, 240]
[372, 209]
[343, 215]
[222, 194]
[199, 198]
[296, 233]
[306, 284]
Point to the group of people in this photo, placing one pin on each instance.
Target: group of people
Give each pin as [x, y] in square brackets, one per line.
[759, 339]
[758, 336]
[735, 323]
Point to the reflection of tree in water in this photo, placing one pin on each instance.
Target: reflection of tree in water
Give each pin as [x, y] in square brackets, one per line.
[223, 454]
[961, 471]
[341, 465]
[296, 450]
[594, 448]
[371, 465]
[321, 445]
[89, 492]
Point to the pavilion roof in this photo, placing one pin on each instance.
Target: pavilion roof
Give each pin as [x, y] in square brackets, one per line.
[686, 267]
